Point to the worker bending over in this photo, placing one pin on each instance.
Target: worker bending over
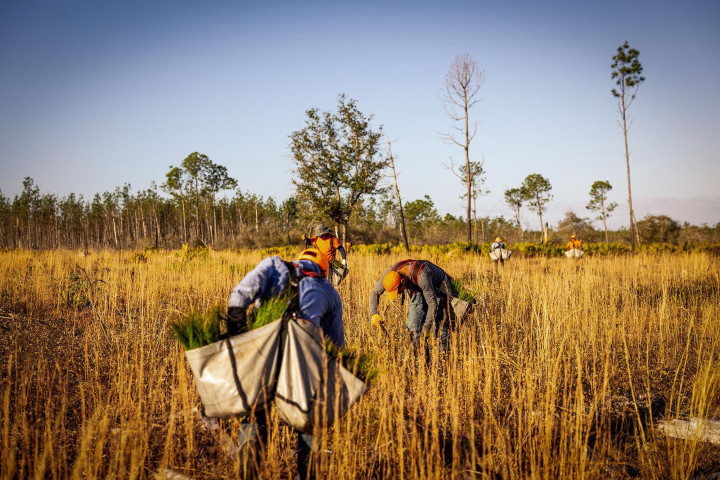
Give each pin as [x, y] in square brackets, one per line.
[429, 289]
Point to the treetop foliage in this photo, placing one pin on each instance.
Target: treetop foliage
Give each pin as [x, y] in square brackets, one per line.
[337, 160]
[626, 70]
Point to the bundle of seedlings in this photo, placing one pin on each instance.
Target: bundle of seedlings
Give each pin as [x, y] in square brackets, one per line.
[197, 329]
[362, 365]
[459, 291]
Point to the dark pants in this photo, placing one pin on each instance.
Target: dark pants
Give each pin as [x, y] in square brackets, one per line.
[417, 311]
[253, 437]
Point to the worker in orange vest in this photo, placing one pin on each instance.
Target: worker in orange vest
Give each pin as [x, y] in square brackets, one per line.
[329, 245]
[573, 243]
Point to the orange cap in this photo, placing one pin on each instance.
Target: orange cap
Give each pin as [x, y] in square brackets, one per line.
[391, 282]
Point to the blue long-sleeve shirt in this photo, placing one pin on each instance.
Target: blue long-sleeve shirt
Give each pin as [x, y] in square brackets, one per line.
[319, 302]
[497, 245]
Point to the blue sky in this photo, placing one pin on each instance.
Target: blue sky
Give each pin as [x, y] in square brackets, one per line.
[97, 94]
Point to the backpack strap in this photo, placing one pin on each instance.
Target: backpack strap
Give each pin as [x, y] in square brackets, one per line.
[400, 264]
[293, 288]
[415, 269]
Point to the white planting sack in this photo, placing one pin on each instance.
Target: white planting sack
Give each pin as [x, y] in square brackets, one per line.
[499, 253]
[312, 389]
[237, 374]
[459, 309]
[339, 272]
[574, 253]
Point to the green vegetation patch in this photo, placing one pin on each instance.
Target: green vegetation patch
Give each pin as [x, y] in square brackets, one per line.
[269, 311]
[198, 329]
[459, 291]
[362, 365]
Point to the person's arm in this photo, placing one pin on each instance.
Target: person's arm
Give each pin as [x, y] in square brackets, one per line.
[306, 239]
[252, 287]
[343, 254]
[375, 293]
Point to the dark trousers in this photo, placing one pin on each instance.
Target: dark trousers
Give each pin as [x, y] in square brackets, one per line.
[417, 311]
[253, 437]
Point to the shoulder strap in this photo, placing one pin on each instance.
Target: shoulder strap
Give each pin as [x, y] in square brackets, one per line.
[415, 270]
[414, 273]
[293, 287]
[400, 264]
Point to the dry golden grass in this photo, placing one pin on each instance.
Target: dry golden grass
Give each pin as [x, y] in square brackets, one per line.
[562, 371]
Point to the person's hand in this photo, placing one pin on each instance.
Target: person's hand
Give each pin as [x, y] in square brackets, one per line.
[377, 321]
[304, 237]
[344, 264]
[236, 320]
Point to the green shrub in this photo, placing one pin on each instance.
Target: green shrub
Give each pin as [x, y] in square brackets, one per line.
[187, 253]
[287, 251]
[74, 295]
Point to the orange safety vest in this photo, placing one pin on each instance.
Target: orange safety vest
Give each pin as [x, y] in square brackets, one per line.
[326, 246]
[573, 244]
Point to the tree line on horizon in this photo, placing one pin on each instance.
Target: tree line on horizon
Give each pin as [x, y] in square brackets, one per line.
[123, 219]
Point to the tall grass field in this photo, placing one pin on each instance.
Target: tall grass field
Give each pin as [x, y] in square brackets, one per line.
[563, 369]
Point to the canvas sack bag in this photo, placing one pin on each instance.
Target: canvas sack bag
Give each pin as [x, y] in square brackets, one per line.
[236, 374]
[460, 308]
[339, 272]
[499, 253]
[574, 253]
[312, 389]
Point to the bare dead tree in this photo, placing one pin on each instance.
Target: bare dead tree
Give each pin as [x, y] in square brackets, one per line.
[462, 83]
[403, 231]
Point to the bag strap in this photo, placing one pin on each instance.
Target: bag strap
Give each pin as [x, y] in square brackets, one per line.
[414, 273]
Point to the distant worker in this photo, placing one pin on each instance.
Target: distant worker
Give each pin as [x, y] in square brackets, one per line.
[498, 245]
[325, 240]
[318, 302]
[572, 244]
[429, 289]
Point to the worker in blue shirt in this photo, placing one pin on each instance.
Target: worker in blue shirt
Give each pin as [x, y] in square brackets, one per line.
[318, 302]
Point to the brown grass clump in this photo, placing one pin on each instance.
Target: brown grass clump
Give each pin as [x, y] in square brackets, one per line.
[562, 370]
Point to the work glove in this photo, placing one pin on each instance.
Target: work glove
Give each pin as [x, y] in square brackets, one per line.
[377, 321]
[344, 264]
[236, 320]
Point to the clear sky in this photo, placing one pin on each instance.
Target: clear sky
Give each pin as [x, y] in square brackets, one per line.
[94, 94]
